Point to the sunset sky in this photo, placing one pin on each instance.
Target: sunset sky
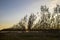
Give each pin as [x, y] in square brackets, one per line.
[11, 11]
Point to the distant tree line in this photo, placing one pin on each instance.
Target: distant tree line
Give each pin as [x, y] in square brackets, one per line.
[47, 20]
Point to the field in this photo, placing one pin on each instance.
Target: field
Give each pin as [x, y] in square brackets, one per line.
[32, 35]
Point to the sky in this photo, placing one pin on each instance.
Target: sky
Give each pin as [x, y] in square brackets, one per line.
[11, 11]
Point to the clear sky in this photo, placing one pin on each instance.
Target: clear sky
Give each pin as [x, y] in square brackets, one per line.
[11, 11]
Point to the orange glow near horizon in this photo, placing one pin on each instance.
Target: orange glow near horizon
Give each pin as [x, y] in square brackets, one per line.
[8, 25]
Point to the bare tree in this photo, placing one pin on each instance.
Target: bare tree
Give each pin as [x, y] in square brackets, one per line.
[31, 21]
[45, 18]
[23, 23]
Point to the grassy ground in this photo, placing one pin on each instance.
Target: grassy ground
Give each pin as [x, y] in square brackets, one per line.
[32, 35]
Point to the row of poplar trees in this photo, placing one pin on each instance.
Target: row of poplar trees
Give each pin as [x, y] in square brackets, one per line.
[47, 20]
